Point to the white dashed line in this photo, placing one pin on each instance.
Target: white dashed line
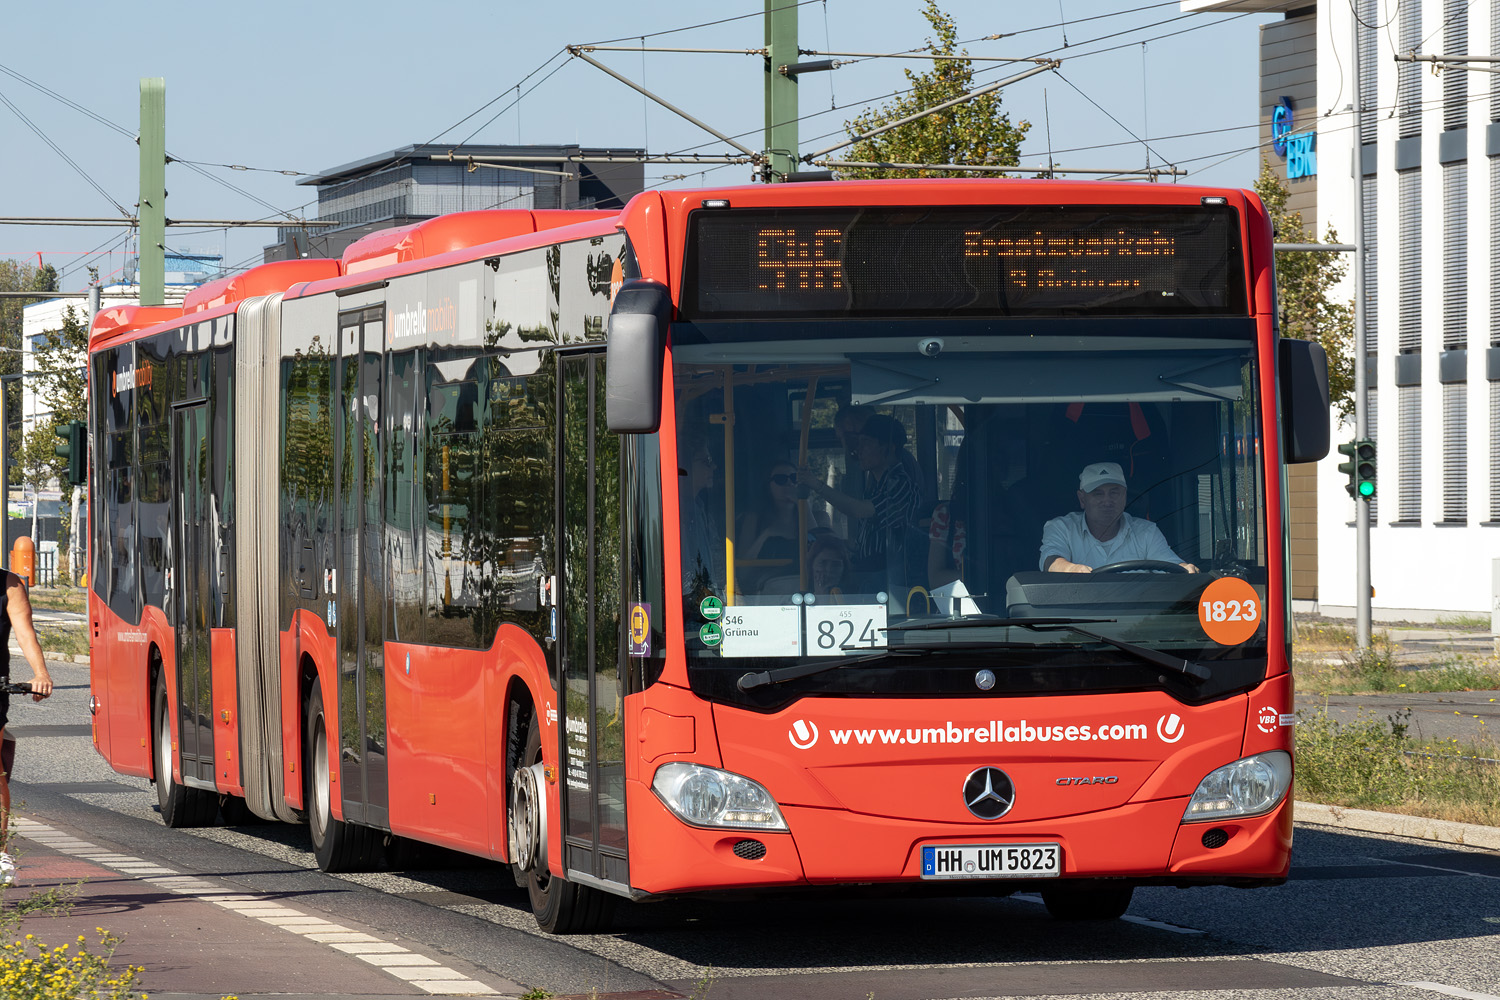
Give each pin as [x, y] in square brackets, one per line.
[412, 968]
[1452, 991]
[1437, 868]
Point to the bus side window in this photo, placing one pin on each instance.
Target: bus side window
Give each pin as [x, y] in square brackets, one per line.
[452, 576]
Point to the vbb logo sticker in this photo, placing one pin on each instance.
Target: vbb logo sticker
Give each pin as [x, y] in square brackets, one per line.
[1268, 719]
[802, 734]
[1169, 728]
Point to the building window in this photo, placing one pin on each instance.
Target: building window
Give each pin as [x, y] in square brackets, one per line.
[1455, 255]
[1455, 453]
[1495, 250]
[1495, 452]
[1409, 207]
[1456, 85]
[1409, 74]
[1371, 234]
[1369, 61]
[1372, 423]
[1409, 458]
[1494, 47]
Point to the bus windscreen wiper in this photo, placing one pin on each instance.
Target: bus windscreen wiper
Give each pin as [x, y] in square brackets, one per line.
[1160, 659]
[755, 679]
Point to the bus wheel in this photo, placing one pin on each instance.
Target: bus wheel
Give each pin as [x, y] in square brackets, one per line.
[560, 906]
[339, 846]
[1087, 900]
[180, 806]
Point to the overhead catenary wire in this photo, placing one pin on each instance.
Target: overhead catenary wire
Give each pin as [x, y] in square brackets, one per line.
[64, 156]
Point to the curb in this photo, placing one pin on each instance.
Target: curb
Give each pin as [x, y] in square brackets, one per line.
[53, 656]
[1397, 825]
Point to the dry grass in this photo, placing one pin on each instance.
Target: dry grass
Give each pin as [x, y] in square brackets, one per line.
[1325, 660]
[1370, 764]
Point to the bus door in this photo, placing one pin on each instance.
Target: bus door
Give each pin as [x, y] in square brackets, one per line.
[592, 685]
[193, 538]
[361, 579]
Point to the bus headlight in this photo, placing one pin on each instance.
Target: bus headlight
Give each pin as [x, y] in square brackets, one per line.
[1249, 787]
[706, 796]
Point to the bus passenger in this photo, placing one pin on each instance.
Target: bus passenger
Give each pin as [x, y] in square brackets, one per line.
[772, 530]
[889, 508]
[827, 561]
[1102, 533]
[702, 538]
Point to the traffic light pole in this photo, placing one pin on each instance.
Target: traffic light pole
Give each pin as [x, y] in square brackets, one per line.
[1362, 429]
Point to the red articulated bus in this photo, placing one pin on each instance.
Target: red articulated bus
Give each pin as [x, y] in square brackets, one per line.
[714, 544]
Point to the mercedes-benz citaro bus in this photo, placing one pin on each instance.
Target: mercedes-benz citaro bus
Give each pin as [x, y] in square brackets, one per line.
[926, 535]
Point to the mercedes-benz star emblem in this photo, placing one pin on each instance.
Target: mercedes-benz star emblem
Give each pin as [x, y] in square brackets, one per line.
[989, 793]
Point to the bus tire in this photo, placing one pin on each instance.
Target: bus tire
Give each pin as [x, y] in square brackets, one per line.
[560, 906]
[339, 846]
[1087, 900]
[180, 806]
[235, 811]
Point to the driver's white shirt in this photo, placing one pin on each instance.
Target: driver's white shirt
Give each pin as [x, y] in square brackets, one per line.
[1069, 536]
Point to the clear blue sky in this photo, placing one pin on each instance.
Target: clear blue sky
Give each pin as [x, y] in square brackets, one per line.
[305, 87]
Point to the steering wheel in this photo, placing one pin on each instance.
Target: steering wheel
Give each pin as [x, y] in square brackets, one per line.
[1132, 565]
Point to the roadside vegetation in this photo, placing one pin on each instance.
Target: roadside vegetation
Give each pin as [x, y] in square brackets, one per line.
[1326, 660]
[32, 969]
[1375, 764]
[59, 598]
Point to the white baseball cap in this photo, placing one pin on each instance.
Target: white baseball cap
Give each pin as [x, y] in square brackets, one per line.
[1094, 476]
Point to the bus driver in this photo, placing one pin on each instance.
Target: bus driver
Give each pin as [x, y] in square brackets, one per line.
[1102, 533]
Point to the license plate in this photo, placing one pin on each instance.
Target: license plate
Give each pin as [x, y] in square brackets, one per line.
[991, 860]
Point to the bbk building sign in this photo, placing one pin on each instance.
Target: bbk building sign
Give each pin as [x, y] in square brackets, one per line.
[1299, 149]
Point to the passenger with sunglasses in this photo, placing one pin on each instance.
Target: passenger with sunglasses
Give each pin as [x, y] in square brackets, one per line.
[772, 529]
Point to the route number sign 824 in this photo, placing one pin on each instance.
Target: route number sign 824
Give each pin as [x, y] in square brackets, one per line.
[842, 630]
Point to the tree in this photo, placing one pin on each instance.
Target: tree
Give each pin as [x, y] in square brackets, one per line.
[59, 357]
[1304, 281]
[975, 132]
[17, 276]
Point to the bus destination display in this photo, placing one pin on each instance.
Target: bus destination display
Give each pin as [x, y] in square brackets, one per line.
[1022, 261]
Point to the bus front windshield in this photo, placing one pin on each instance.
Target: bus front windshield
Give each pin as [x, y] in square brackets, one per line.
[903, 515]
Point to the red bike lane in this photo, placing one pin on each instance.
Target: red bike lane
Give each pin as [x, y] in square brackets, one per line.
[195, 940]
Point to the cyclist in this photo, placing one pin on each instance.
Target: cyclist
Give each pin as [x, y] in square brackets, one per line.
[17, 619]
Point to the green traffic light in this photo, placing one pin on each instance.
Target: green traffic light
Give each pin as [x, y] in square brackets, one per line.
[1366, 489]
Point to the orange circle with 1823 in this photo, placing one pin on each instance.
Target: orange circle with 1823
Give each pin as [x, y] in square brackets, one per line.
[1230, 611]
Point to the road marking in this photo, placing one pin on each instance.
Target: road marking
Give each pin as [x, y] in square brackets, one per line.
[1031, 897]
[1436, 868]
[1452, 991]
[415, 969]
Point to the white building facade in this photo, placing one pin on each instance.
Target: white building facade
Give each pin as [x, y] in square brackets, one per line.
[1427, 148]
[1427, 151]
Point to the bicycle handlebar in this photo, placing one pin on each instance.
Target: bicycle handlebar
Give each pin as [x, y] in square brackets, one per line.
[16, 687]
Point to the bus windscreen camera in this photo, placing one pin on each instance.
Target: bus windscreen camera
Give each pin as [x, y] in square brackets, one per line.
[930, 346]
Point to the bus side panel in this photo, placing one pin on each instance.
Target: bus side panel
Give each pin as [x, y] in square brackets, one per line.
[1269, 725]
[164, 638]
[434, 701]
[308, 637]
[291, 717]
[515, 655]
[98, 680]
[119, 656]
[226, 712]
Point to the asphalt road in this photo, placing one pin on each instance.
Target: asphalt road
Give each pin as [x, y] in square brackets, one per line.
[217, 911]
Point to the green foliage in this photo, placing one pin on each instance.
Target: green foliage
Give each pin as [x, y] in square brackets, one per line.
[60, 356]
[1304, 282]
[975, 132]
[39, 463]
[17, 276]
[33, 970]
[1370, 764]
